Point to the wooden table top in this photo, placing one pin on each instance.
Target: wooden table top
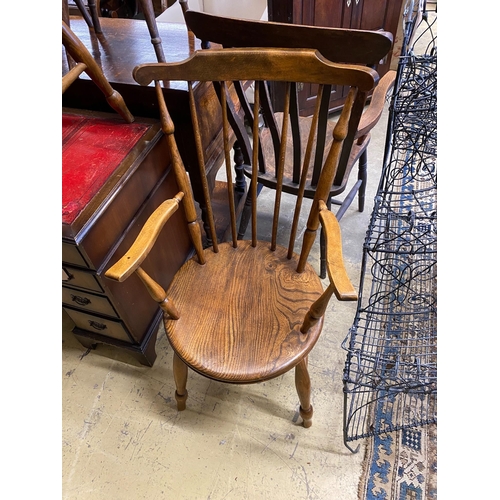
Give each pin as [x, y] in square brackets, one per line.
[125, 43]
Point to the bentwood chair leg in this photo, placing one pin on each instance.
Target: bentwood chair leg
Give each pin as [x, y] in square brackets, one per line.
[303, 386]
[180, 378]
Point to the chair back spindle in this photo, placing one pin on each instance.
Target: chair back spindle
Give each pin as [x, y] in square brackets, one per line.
[227, 161]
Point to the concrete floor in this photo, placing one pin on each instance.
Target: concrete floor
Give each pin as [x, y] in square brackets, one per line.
[123, 437]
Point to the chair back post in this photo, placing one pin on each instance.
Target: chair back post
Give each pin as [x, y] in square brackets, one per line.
[181, 176]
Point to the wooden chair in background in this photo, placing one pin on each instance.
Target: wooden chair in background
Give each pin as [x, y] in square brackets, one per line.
[86, 63]
[248, 311]
[337, 45]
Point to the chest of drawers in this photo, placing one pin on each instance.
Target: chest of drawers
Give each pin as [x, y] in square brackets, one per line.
[114, 176]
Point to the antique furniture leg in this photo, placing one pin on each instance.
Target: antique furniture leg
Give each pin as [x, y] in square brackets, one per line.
[84, 13]
[149, 16]
[147, 356]
[95, 16]
[303, 385]
[180, 377]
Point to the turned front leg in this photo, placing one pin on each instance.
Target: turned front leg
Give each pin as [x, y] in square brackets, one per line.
[180, 378]
[303, 386]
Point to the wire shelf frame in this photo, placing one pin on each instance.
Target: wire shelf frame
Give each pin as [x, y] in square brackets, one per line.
[390, 374]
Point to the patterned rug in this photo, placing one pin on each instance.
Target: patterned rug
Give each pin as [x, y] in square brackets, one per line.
[401, 465]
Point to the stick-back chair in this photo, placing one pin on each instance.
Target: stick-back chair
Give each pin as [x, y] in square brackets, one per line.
[245, 311]
[86, 63]
[337, 45]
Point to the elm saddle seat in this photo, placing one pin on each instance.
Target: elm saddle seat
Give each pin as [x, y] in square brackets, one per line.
[245, 311]
[335, 44]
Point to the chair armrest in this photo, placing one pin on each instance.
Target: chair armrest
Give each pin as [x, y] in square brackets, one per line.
[372, 114]
[342, 286]
[147, 237]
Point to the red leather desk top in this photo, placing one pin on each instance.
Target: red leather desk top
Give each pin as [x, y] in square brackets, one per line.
[92, 149]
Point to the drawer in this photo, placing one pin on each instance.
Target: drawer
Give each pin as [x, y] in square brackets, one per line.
[71, 255]
[88, 301]
[96, 324]
[80, 278]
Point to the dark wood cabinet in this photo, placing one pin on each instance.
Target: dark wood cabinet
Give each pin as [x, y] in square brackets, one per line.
[352, 14]
[99, 232]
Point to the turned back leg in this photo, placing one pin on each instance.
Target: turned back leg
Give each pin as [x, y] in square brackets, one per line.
[303, 385]
[180, 378]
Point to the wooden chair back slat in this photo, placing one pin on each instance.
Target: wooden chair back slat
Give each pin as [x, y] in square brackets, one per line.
[295, 126]
[201, 163]
[269, 118]
[321, 134]
[336, 44]
[281, 165]
[255, 161]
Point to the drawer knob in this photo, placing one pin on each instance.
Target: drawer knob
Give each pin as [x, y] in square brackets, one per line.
[82, 301]
[96, 325]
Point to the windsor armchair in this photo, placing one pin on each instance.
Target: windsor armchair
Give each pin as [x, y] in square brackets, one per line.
[335, 44]
[246, 311]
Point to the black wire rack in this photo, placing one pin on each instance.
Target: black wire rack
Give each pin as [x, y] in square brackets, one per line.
[390, 374]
